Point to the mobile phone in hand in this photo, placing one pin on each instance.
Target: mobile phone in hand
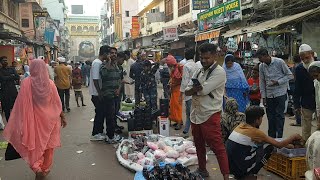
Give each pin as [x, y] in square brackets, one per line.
[196, 82]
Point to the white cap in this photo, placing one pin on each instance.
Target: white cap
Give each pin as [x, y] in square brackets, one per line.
[304, 48]
[69, 62]
[62, 59]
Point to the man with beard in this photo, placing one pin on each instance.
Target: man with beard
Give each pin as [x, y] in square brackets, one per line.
[9, 92]
[304, 95]
[274, 77]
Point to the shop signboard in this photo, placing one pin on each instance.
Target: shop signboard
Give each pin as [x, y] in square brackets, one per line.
[170, 33]
[40, 19]
[200, 4]
[117, 7]
[135, 29]
[220, 15]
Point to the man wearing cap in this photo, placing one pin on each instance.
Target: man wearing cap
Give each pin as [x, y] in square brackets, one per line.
[63, 82]
[274, 82]
[53, 64]
[304, 95]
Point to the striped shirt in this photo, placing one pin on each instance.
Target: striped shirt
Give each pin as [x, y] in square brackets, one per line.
[111, 79]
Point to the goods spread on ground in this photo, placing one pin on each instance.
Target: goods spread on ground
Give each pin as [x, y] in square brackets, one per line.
[167, 171]
[146, 151]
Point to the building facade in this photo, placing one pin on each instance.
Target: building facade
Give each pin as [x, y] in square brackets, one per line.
[84, 37]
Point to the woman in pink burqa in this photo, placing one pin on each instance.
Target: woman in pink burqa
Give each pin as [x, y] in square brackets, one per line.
[34, 125]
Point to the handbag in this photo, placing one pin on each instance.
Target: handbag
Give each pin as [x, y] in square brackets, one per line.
[11, 153]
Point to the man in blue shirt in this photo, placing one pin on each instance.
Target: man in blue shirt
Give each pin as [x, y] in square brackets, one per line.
[274, 82]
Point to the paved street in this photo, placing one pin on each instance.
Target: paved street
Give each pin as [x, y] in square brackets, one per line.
[98, 160]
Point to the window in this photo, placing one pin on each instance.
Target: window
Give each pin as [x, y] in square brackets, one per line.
[169, 10]
[91, 29]
[79, 29]
[12, 10]
[85, 28]
[73, 28]
[184, 7]
[127, 34]
[25, 23]
[127, 14]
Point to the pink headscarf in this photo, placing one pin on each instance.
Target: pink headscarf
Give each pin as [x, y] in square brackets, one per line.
[34, 124]
[39, 79]
[171, 60]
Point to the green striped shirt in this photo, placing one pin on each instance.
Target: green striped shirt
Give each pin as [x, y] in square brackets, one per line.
[111, 79]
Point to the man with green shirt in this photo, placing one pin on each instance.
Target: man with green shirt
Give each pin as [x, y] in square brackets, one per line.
[111, 85]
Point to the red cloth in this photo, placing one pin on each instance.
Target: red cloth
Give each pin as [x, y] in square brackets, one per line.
[254, 82]
[170, 60]
[34, 125]
[210, 132]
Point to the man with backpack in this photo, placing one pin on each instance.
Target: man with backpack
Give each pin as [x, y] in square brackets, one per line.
[207, 89]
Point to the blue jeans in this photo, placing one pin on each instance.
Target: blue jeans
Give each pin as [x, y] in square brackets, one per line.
[188, 111]
[275, 113]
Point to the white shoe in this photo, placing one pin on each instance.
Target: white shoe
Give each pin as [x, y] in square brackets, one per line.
[97, 137]
[116, 139]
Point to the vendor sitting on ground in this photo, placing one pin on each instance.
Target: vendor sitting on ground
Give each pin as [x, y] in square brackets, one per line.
[230, 118]
[248, 148]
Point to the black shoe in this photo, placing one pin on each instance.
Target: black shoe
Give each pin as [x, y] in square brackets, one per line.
[119, 127]
[184, 132]
[68, 109]
[203, 173]
[118, 131]
[84, 105]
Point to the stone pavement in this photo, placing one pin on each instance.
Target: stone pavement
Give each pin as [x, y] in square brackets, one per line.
[97, 160]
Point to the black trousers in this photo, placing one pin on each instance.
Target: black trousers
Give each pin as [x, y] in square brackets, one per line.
[99, 116]
[64, 97]
[110, 115]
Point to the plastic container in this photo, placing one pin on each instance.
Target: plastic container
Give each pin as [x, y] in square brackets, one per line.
[299, 152]
[288, 168]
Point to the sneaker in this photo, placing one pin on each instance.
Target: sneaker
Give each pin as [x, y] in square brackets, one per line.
[116, 139]
[97, 137]
[203, 173]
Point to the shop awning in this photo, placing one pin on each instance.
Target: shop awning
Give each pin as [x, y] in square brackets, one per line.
[185, 34]
[270, 24]
[208, 35]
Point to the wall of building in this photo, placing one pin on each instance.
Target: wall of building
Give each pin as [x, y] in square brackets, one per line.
[132, 7]
[27, 15]
[10, 23]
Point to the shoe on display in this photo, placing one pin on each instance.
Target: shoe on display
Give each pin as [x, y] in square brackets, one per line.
[116, 139]
[97, 137]
[203, 173]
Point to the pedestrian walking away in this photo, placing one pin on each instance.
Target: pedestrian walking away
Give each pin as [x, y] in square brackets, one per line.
[207, 97]
[40, 121]
[63, 82]
[274, 77]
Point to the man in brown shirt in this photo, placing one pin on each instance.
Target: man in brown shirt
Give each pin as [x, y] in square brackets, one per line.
[62, 80]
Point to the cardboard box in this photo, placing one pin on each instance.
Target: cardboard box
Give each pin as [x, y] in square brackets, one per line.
[164, 126]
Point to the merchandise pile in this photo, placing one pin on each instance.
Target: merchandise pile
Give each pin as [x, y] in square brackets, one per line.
[148, 151]
[170, 172]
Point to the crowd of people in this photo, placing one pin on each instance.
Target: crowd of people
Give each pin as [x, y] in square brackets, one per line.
[223, 108]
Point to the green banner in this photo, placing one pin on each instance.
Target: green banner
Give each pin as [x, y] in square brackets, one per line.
[220, 15]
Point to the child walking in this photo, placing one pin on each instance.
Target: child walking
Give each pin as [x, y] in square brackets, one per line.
[77, 83]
